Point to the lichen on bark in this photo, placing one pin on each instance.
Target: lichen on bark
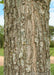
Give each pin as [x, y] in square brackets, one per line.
[26, 37]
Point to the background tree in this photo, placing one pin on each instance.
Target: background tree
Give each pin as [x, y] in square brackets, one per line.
[26, 37]
[51, 35]
[1, 36]
[51, 31]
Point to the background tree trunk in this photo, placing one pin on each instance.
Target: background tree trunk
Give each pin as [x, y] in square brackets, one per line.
[26, 37]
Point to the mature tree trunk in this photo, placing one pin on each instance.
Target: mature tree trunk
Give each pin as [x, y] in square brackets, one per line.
[26, 37]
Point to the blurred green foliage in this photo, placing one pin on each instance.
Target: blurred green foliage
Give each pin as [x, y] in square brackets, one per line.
[52, 43]
[1, 36]
[2, 1]
[51, 31]
[1, 52]
[51, 35]
[51, 51]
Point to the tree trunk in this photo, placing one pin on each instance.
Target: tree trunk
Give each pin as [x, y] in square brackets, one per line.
[26, 37]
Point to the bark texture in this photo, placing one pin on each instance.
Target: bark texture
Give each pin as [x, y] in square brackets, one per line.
[26, 37]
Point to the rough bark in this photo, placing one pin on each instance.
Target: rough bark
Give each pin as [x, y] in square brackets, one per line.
[26, 37]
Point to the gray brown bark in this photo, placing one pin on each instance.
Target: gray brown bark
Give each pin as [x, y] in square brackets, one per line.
[26, 37]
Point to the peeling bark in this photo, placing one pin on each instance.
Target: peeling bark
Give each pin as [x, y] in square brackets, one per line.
[26, 37]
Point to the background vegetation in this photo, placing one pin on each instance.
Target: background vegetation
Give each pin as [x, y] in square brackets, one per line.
[1, 36]
[2, 1]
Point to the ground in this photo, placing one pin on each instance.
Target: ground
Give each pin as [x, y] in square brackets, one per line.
[1, 60]
[52, 59]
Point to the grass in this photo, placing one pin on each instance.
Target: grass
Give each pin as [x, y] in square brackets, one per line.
[52, 69]
[52, 51]
[1, 52]
[1, 70]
